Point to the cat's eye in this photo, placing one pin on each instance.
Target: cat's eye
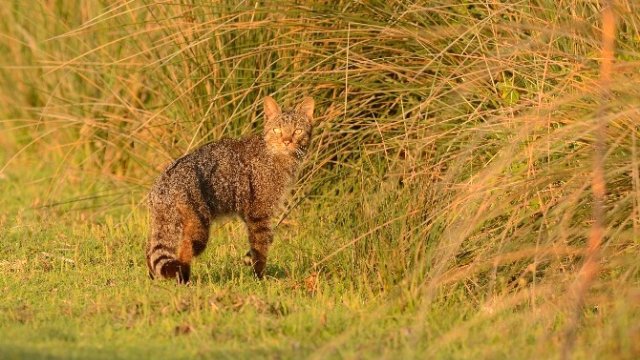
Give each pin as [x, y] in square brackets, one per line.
[277, 131]
[297, 132]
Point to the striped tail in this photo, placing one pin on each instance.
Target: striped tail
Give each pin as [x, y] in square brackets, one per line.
[162, 262]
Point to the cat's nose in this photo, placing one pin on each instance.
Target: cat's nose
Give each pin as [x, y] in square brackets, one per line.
[286, 141]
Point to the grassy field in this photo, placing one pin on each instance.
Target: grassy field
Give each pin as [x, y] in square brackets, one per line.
[444, 210]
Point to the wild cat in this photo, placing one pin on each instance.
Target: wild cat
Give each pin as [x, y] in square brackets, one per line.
[247, 177]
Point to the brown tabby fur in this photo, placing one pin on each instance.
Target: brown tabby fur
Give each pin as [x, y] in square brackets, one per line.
[247, 177]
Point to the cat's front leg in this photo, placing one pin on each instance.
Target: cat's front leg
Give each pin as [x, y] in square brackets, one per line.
[260, 238]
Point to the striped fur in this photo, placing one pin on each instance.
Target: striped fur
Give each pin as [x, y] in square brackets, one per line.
[247, 177]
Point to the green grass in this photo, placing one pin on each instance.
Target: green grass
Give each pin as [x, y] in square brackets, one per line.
[442, 212]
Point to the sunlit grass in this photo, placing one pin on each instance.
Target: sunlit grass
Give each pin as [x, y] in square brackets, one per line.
[445, 202]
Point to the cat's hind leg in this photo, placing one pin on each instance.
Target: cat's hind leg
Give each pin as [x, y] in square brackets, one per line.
[195, 234]
[178, 234]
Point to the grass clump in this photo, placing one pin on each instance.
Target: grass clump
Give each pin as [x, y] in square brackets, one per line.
[445, 203]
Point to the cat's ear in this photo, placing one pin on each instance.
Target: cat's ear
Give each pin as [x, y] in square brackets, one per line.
[271, 109]
[306, 107]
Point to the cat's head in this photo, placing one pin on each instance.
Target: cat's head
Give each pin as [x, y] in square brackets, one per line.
[288, 132]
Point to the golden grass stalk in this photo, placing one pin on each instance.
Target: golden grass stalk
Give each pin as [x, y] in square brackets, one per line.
[591, 265]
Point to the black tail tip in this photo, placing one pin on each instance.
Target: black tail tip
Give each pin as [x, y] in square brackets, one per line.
[178, 270]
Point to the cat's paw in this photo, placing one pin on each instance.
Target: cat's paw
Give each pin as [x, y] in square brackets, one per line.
[247, 260]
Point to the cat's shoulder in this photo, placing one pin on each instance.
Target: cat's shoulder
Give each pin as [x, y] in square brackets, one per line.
[251, 141]
[226, 149]
[252, 145]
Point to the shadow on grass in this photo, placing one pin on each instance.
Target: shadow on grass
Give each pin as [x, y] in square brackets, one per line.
[227, 274]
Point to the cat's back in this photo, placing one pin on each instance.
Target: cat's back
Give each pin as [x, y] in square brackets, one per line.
[233, 155]
[225, 162]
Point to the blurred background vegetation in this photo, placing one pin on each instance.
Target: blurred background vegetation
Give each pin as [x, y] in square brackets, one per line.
[451, 169]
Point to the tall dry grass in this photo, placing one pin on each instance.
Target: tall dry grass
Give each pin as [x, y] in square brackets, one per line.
[454, 154]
